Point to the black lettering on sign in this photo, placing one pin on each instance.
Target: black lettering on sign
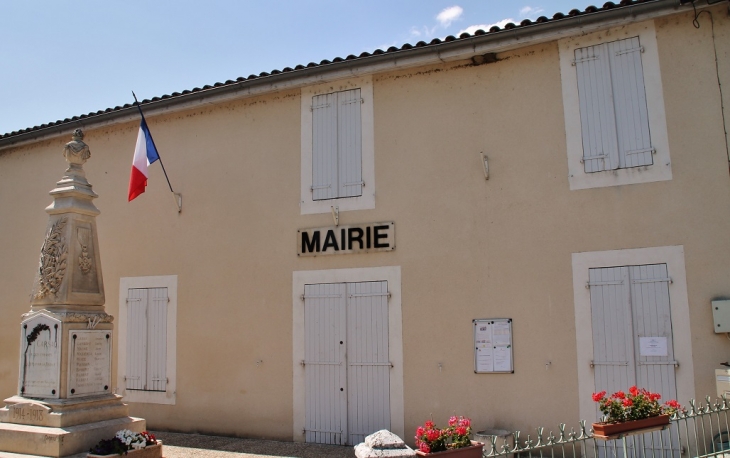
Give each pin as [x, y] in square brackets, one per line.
[330, 241]
[356, 238]
[351, 237]
[310, 245]
[377, 236]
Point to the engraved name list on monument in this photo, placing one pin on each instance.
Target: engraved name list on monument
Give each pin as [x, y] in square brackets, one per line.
[90, 362]
[40, 357]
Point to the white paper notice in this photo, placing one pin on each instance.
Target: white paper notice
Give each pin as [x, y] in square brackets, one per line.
[483, 345]
[502, 359]
[502, 334]
[653, 346]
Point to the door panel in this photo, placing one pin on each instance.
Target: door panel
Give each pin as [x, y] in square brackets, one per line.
[629, 304]
[652, 318]
[368, 363]
[324, 353]
[613, 352]
[347, 365]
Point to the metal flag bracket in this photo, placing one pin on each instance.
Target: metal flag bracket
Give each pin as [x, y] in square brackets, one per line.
[177, 197]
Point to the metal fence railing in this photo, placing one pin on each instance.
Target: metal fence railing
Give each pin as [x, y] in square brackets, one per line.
[702, 431]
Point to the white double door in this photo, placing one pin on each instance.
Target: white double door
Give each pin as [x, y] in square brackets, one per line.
[632, 334]
[347, 366]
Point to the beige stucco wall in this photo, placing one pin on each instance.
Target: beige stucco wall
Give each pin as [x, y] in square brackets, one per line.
[467, 248]
[699, 156]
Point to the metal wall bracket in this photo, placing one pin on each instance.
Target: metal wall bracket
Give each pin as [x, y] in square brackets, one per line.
[336, 215]
[485, 163]
[178, 200]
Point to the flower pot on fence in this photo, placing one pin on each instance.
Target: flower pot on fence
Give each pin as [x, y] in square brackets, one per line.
[151, 451]
[606, 430]
[474, 451]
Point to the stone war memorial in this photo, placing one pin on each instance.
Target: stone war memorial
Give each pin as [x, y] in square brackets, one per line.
[64, 404]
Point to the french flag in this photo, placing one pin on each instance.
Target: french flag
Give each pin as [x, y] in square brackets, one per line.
[145, 154]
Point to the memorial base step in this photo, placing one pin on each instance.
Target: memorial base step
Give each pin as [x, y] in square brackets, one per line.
[31, 440]
[61, 413]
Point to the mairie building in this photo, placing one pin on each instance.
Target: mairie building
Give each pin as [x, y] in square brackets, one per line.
[494, 225]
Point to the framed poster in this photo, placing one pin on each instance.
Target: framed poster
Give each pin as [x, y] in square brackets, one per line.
[493, 346]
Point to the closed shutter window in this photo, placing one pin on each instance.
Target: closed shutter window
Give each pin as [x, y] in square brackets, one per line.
[147, 339]
[613, 108]
[336, 145]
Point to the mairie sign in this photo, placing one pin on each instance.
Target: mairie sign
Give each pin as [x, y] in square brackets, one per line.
[357, 238]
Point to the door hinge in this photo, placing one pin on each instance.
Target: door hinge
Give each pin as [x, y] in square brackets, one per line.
[609, 363]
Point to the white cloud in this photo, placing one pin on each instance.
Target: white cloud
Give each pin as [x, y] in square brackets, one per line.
[530, 11]
[526, 11]
[473, 28]
[422, 33]
[449, 15]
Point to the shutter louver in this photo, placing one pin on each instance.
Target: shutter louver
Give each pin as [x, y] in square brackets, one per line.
[632, 117]
[349, 143]
[324, 147]
[597, 119]
[136, 375]
[157, 339]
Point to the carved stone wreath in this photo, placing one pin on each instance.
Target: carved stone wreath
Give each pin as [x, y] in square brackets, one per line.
[53, 261]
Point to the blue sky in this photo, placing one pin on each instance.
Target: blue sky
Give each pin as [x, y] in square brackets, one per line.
[62, 59]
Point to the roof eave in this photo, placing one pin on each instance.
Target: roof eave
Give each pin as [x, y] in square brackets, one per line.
[459, 49]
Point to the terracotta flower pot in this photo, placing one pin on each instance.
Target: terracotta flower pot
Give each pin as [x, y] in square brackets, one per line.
[604, 430]
[151, 451]
[475, 451]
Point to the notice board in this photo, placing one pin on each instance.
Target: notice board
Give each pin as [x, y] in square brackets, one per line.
[493, 346]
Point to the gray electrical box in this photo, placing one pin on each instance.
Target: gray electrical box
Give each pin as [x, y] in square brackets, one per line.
[721, 315]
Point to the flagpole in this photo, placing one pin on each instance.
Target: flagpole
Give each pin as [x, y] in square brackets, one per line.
[136, 102]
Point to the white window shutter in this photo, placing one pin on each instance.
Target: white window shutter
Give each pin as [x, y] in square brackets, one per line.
[368, 359]
[157, 339]
[597, 118]
[136, 370]
[325, 371]
[613, 351]
[324, 147]
[652, 318]
[632, 118]
[349, 143]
